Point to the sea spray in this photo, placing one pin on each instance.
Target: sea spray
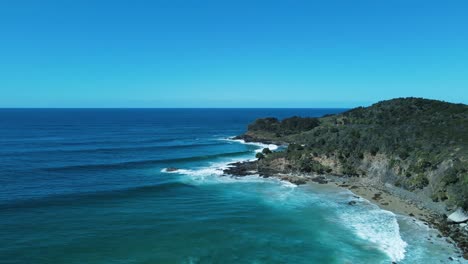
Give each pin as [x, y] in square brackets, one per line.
[377, 226]
[258, 144]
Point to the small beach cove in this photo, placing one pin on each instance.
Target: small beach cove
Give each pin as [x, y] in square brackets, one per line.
[416, 219]
[416, 222]
[400, 229]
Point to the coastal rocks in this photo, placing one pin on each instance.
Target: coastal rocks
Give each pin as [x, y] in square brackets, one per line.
[458, 217]
[456, 233]
[377, 196]
[249, 137]
[298, 180]
[251, 168]
[455, 227]
[274, 166]
[320, 180]
[241, 168]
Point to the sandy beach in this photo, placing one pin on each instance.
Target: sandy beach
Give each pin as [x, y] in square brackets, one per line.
[388, 201]
[395, 204]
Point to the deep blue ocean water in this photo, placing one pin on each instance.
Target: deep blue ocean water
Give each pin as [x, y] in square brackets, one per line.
[90, 186]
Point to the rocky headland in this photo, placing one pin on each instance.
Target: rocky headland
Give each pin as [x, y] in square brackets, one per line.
[408, 155]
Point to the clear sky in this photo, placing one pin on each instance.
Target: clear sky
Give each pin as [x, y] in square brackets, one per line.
[91, 53]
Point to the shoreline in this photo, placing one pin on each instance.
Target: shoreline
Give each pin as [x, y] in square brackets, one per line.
[382, 197]
[385, 196]
[400, 207]
[385, 200]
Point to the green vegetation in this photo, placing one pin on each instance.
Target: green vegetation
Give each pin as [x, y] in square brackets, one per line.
[420, 143]
[266, 151]
[260, 156]
[287, 126]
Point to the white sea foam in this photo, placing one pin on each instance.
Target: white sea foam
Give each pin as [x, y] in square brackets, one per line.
[212, 174]
[280, 193]
[258, 144]
[424, 245]
[378, 226]
[366, 220]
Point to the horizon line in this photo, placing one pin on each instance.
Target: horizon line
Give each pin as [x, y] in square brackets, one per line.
[10, 108]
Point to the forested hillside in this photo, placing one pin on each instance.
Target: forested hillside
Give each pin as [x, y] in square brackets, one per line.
[417, 144]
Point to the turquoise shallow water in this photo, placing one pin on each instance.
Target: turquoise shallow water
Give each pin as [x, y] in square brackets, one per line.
[89, 186]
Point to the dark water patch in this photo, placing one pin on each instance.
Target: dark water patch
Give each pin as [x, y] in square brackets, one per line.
[115, 139]
[113, 149]
[94, 197]
[114, 208]
[140, 163]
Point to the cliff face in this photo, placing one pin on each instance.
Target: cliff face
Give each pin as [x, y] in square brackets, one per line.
[416, 144]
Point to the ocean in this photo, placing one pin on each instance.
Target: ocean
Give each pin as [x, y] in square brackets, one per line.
[91, 186]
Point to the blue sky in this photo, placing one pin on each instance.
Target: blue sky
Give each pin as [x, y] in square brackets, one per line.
[230, 53]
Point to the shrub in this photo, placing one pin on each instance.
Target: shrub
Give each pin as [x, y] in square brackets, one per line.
[266, 151]
[420, 181]
[374, 150]
[297, 124]
[260, 156]
[451, 177]
[292, 125]
[305, 166]
[403, 155]
[269, 124]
